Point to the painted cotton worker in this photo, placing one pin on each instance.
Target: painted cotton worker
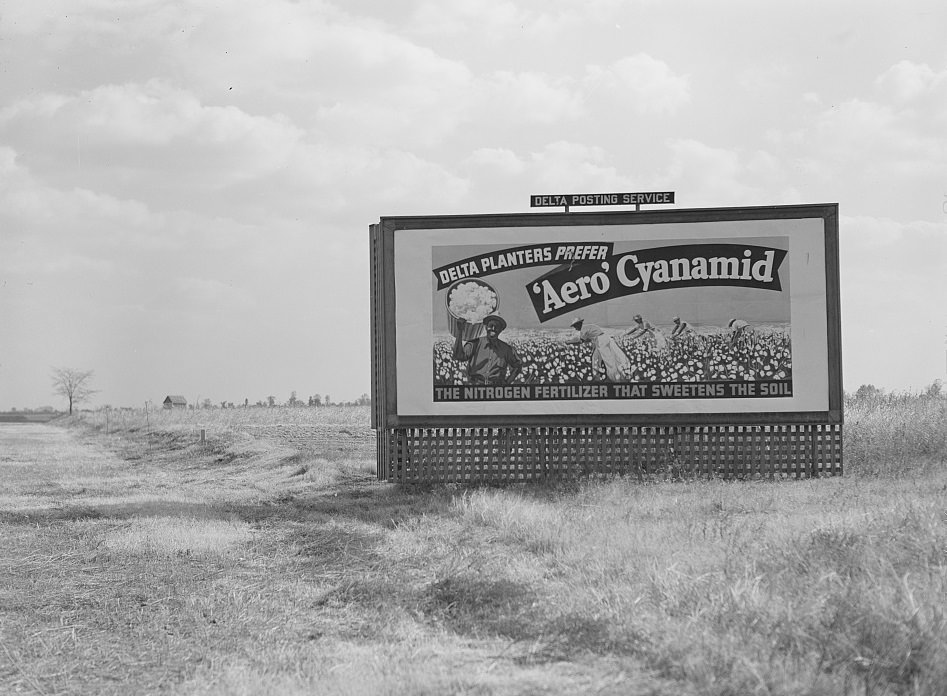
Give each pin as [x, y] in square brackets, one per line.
[644, 330]
[606, 353]
[681, 328]
[490, 361]
[740, 329]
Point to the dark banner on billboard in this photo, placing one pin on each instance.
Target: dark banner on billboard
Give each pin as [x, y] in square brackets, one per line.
[592, 273]
[576, 286]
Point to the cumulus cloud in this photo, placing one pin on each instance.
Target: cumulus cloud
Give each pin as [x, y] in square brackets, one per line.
[157, 137]
[905, 121]
[857, 125]
[906, 81]
[315, 61]
[915, 250]
[503, 20]
[646, 84]
[888, 141]
[710, 175]
[406, 179]
[499, 160]
[429, 112]
[457, 16]
[66, 21]
[571, 167]
[526, 97]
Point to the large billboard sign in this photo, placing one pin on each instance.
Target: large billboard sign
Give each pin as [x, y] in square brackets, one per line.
[726, 315]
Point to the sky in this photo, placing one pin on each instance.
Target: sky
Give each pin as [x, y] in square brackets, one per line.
[186, 187]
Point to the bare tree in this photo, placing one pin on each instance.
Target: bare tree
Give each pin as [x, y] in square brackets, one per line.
[72, 384]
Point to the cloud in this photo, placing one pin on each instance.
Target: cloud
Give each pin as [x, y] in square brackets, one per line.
[714, 176]
[869, 146]
[524, 98]
[498, 160]
[502, 21]
[570, 167]
[907, 81]
[882, 151]
[914, 251]
[8, 164]
[404, 178]
[159, 139]
[62, 22]
[313, 63]
[68, 233]
[643, 83]
[432, 110]
[857, 126]
[450, 17]
[325, 67]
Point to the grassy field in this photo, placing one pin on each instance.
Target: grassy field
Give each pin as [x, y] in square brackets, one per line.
[267, 560]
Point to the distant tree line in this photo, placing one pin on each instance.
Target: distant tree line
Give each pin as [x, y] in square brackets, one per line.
[313, 401]
[869, 392]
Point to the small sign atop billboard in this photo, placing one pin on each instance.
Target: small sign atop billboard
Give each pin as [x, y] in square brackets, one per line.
[573, 199]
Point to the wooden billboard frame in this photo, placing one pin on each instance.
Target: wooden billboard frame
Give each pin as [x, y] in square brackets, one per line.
[437, 432]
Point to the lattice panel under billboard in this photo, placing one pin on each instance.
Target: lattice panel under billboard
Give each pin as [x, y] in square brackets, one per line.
[515, 454]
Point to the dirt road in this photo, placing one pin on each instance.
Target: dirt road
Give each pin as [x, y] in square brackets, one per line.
[45, 468]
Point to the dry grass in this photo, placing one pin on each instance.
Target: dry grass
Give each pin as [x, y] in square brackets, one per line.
[269, 561]
[895, 434]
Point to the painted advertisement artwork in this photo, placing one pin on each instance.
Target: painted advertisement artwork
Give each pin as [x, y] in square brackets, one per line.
[612, 320]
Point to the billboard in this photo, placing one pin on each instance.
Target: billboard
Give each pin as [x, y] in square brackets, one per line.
[682, 316]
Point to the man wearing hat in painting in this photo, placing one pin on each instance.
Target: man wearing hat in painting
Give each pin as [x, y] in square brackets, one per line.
[490, 361]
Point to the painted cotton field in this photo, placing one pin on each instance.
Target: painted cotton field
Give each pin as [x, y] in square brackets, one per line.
[136, 559]
[698, 357]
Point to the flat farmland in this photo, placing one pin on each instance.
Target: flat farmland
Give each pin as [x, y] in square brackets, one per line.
[137, 559]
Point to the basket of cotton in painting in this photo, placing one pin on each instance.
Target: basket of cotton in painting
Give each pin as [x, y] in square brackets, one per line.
[471, 299]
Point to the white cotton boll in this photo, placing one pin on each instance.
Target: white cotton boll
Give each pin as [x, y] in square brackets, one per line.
[472, 301]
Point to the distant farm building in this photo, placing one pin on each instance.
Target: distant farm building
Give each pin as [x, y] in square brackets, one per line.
[173, 401]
